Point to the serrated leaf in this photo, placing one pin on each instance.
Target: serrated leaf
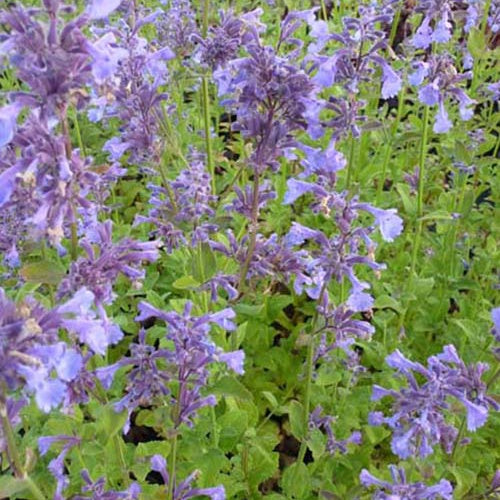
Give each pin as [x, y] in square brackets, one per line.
[10, 486]
[296, 416]
[229, 386]
[437, 215]
[44, 271]
[186, 283]
[296, 482]
[387, 302]
[203, 263]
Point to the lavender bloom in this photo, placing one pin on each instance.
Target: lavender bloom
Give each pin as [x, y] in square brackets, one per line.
[56, 465]
[8, 121]
[47, 184]
[97, 332]
[316, 421]
[98, 491]
[154, 369]
[400, 488]
[244, 199]
[271, 257]
[341, 331]
[336, 256]
[11, 407]
[105, 260]
[130, 74]
[176, 27]
[222, 42]
[438, 15]
[183, 490]
[31, 354]
[359, 55]
[181, 210]
[102, 8]
[443, 83]
[52, 62]
[418, 422]
[272, 97]
[389, 223]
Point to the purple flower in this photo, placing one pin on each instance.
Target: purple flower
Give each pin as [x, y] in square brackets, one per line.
[389, 223]
[400, 488]
[324, 423]
[443, 123]
[443, 83]
[183, 490]
[8, 121]
[99, 492]
[418, 421]
[102, 8]
[105, 260]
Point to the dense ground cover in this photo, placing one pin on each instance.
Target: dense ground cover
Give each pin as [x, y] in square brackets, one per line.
[249, 249]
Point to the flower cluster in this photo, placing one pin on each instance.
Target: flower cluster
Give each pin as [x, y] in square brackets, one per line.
[418, 419]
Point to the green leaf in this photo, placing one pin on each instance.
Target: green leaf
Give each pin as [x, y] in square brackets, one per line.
[437, 215]
[230, 387]
[44, 271]
[387, 302]
[296, 416]
[296, 482]
[466, 479]
[10, 486]
[109, 422]
[271, 398]
[203, 263]
[476, 43]
[186, 283]
[404, 193]
[233, 425]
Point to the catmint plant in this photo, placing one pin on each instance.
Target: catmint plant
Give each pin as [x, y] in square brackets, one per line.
[418, 420]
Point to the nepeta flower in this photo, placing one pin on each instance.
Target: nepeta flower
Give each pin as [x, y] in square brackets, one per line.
[99, 9]
[418, 421]
[51, 60]
[31, 354]
[56, 465]
[182, 210]
[105, 260]
[443, 81]
[355, 61]
[176, 27]
[183, 489]
[98, 491]
[272, 97]
[401, 489]
[8, 125]
[324, 423]
[155, 369]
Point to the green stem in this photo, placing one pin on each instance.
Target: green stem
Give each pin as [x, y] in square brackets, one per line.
[323, 10]
[253, 228]
[421, 162]
[457, 441]
[307, 396]
[78, 133]
[350, 165]
[309, 374]
[420, 192]
[12, 451]
[206, 103]
[171, 469]
[208, 139]
[394, 27]
[390, 145]
[34, 489]
[74, 241]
